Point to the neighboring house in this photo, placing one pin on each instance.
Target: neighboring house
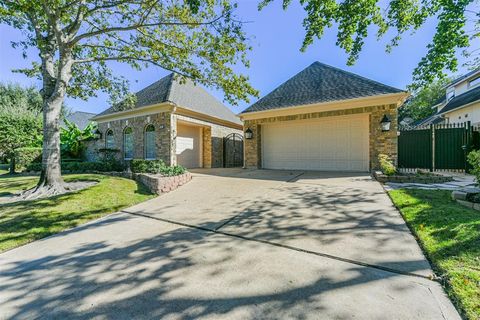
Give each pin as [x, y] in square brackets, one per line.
[462, 100]
[177, 123]
[80, 118]
[323, 118]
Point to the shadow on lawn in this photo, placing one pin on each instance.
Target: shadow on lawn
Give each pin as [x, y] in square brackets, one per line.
[31, 220]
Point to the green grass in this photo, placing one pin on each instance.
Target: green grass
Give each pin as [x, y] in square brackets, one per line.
[3, 168]
[26, 221]
[450, 236]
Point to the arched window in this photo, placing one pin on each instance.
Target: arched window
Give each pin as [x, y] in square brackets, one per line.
[109, 142]
[128, 143]
[150, 152]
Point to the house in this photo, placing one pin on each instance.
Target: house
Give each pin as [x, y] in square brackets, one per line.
[323, 118]
[79, 118]
[461, 102]
[179, 123]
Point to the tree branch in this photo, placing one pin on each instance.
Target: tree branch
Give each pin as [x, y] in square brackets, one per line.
[139, 25]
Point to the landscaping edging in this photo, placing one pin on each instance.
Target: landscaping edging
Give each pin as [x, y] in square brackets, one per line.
[462, 196]
[160, 184]
[155, 183]
[426, 179]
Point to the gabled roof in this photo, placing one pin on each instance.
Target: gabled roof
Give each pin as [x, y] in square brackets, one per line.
[80, 118]
[463, 77]
[459, 101]
[320, 83]
[186, 95]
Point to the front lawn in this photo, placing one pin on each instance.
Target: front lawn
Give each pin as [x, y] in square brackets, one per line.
[450, 236]
[26, 221]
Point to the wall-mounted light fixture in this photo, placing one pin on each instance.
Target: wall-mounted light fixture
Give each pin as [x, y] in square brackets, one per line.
[248, 133]
[385, 123]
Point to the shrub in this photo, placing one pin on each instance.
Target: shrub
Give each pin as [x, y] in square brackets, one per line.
[82, 167]
[25, 156]
[172, 171]
[474, 160]
[386, 165]
[146, 166]
[156, 167]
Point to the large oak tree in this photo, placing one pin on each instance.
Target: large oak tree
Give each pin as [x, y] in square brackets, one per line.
[198, 39]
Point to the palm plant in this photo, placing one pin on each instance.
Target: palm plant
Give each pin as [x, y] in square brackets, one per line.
[72, 138]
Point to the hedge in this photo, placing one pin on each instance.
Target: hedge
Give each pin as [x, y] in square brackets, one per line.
[81, 167]
[156, 167]
[24, 157]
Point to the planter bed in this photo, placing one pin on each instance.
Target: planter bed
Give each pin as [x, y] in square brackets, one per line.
[425, 178]
[155, 183]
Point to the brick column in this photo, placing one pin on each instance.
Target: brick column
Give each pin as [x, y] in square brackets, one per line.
[383, 142]
[207, 147]
[252, 147]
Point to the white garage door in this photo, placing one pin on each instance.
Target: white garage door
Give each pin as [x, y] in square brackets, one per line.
[189, 146]
[330, 144]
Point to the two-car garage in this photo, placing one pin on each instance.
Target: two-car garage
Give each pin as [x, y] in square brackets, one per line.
[327, 144]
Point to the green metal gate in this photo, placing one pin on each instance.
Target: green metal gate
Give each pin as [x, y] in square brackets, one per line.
[438, 147]
[415, 149]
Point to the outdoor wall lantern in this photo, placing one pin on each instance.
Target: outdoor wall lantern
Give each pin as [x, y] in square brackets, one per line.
[97, 134]
[385, 123]
[248, 134]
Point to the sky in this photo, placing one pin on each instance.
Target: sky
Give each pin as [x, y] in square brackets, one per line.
[276, 37]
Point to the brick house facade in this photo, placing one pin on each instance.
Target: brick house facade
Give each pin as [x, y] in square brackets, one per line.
[165, 107]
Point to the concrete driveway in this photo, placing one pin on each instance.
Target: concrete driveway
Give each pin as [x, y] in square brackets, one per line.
[234, 244]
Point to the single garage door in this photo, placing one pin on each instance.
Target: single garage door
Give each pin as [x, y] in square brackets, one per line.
[330, 144]
[189, 146]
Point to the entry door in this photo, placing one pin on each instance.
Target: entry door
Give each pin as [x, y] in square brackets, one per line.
[189, 146]
[329, 144]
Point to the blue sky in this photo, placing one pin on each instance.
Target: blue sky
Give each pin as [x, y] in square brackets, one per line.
[276, 39]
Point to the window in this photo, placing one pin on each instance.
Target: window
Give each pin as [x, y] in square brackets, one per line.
[450, 95]
[150, 152]
[474, 82]
[128, 143]
[109, 142]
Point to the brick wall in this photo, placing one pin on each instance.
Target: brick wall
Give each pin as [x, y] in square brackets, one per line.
[165, 128]
[380, 142]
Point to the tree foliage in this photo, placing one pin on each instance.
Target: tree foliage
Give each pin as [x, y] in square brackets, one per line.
[354, 19]
[14, 97]
[419, 105]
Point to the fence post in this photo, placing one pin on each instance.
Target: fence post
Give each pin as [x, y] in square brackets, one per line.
[432, 147]
[468, 140]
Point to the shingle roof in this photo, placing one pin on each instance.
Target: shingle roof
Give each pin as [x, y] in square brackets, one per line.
[470, 96]
[320, 83]
[80, 118]
[463, 77]
[186, 95]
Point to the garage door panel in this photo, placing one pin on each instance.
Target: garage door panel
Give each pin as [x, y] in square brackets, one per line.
[330, 144]
[189, 146]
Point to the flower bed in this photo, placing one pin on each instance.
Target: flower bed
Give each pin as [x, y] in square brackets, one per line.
[425, 178]
[159, 184]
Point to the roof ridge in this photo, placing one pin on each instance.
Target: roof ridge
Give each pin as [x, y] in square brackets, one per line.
[355, 75]
[170, 86]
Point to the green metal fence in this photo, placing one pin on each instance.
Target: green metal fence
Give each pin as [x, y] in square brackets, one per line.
[438, 147]
[415, 149]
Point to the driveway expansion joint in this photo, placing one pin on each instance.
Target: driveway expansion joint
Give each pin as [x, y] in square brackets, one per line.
[432, 278]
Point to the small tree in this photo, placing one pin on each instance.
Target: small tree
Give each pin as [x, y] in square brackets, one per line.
[201, 40]
[419, 105]
[18, 129]
[72, 138]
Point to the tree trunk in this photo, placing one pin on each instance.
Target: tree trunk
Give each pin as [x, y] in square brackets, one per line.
[54, 89]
